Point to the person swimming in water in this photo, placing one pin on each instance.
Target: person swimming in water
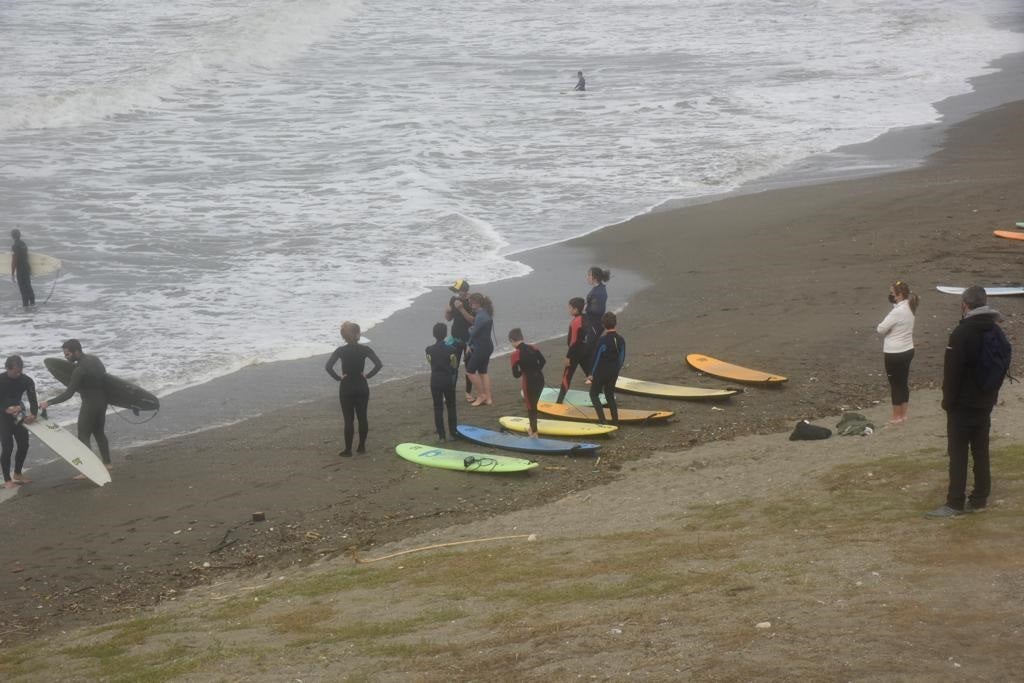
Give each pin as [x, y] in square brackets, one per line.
[581, 83]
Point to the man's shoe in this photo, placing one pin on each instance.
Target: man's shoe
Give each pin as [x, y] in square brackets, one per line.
[944, 512]
[976, 506]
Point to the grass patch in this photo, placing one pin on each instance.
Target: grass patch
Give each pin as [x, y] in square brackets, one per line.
[301, 620]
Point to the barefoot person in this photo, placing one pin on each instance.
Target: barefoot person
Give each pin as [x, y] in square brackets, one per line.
[528, 364]
[87, 381]
[353, 391]
[897, 330]
[14, 385]
[443, 360]
[461, 318]
[480, 347]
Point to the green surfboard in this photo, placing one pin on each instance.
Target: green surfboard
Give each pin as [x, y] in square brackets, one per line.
[462, 461]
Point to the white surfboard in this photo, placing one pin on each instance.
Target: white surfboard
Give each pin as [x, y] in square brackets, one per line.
[991, 290]
[41, 265]
[67, 446]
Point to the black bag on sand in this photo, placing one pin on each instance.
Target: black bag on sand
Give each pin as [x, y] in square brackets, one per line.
[805, 431]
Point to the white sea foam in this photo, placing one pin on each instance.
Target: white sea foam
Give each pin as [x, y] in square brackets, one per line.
[226, 181]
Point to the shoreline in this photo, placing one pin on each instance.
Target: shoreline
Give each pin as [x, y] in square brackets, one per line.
[797, 289]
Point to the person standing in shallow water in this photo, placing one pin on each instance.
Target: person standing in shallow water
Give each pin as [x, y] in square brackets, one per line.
[21, 270]
[353, 389]
[897, 330]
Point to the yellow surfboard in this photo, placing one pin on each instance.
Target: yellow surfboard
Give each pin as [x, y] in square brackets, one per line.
[719, 368]
[40, 264]
[571, 412]
[658, 390]
[555, 427]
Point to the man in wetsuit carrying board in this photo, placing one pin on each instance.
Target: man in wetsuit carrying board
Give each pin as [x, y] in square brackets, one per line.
[21, 271]
[461, 318]
[87, 381]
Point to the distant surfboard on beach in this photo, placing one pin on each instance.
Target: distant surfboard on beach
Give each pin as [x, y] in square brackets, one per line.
[41, 265]
[120, 392]
[1009, 234]
[991, 290]
[737, 373]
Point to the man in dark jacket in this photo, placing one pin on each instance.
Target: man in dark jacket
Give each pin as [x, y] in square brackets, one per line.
[968, 407]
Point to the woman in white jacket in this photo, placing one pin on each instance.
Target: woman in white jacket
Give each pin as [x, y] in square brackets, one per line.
[897, 330]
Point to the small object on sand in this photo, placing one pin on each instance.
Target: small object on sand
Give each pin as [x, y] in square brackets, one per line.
[763, 624]
[259, 517]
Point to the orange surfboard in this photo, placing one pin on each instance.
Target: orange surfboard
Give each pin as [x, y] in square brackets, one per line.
[1009, 234]
[568, 411]
[738, 373]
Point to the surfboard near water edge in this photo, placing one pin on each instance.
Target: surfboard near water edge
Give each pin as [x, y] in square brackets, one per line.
[656, 389]
[120, 392]
[524, 444]
[991, 290]
[41, 265]
[462, 461]
[521, 425]
[67, 446]
[570, 412]
[737, 373]
[1009, 234]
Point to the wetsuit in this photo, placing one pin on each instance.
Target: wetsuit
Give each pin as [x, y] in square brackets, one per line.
[353, 391]
[597, 302]
[528, 363]
[23, 272]
[460, 330]
[87, 380]
[581, 84]
[480, 344]
[11, 428]
[444, 368]
[609, 356]
[576, 354]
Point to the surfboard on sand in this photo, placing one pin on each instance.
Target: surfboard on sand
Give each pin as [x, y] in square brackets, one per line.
[1020, 224]
[991, 290]
[568, 411]
[462, 461]
[120, 392]
[573, 396]
[41, 265]
[658, 390]
[555, 427]
[738, 373]
[67, 446]
[1009, 234]
[524, 444]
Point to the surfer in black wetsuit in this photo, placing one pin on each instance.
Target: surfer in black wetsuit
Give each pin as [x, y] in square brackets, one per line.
[353, 391]
[581, 83]
[21, 270]
[14, 384]
[577, 346]
[461, 317]
[597, 303]
[528, 364]
[609, 357]
[87, 381]
[444, 368]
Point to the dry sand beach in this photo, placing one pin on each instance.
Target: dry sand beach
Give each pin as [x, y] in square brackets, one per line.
[823, 540]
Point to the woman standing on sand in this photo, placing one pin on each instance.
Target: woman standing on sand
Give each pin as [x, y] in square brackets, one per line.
[353, 390]
[480, 348]
[596, 305]
[897, 330]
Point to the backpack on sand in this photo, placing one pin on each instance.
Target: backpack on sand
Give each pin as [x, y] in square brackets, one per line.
[805, 431]
[994, 361]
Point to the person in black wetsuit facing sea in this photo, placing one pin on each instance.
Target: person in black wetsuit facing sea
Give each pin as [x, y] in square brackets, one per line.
[528, 363]
[444, 368]
[461, 317]
[597, 304]
[87, 380]
[21, 270]
[14, 384]
[353, 391]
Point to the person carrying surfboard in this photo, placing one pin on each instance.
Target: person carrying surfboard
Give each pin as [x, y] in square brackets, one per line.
[87, 382]
[21, 270]
[609, 358]
[14, 386]
[577, 351]
[443, 360]
[353, 391]
[528, 365]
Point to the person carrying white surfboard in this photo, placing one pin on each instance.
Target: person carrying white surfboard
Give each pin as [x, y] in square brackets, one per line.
[21, 270]
[87, 381]
[14, 385]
